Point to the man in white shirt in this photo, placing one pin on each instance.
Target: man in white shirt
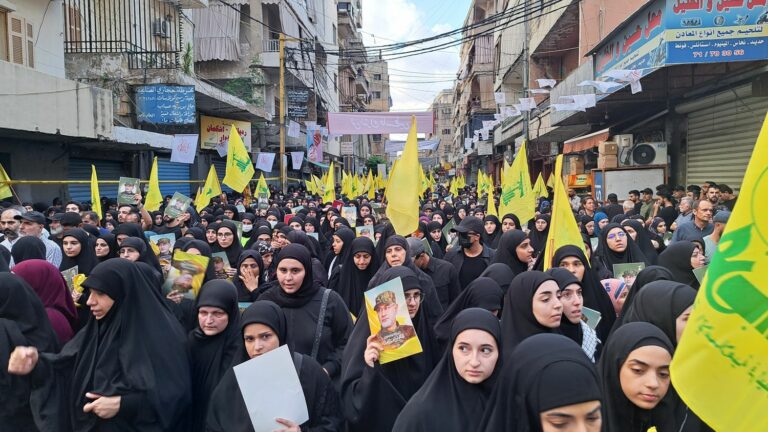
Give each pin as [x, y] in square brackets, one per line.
[10, 226]
[33, 224]
[574, 200]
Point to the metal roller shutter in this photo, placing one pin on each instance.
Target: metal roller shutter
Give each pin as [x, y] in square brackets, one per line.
[80, 169]
[167, 170]
[221, 168]
[722, 135]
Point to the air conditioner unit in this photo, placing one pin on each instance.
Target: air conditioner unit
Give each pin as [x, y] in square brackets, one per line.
[161, 28]
[652, 153]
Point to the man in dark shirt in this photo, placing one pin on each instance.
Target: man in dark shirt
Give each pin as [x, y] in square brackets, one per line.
[612, 208]
[443, 274]
[472, 257]
[699, 227]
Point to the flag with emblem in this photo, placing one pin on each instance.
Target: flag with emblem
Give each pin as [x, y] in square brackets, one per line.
[516, 191]
[262, 189]
[5, 185]
[211, 189]
[564, 229]
[240, 169]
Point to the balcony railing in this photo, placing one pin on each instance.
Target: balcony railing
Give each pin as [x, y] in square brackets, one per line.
[271, 45]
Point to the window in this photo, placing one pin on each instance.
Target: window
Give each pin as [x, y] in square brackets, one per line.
[376, 137]
[3, 35]
[446, 131]
[376, 95]
[21, 43]
[377, 77]
[333, 32]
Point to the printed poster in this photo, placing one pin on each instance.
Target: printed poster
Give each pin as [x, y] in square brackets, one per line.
[186, 274]
[127, 189]
[365, 231]
[162, 245]
[178, 205]
[389, 320]
[350, 214]
[214, 132]
[627, 272]
[220, 265]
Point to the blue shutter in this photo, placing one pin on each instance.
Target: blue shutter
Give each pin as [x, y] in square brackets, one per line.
[221, 168]
[167, 170]
[80, 169]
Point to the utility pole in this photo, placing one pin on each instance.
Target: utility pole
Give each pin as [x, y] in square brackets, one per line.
[283, 169]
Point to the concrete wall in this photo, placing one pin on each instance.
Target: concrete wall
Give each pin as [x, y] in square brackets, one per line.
[47, 19]
[600, 17]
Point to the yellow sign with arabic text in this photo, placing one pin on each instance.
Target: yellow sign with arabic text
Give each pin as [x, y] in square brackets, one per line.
[214, 132]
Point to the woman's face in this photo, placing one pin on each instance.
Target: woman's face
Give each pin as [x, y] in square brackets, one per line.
[71, 246]
[644, 376]
[661, 228]
[413, 298]
[461, 213]
[267, 258]
[368, 221]
[602, 223]
[364, 211]
[337, 244]
[490, 227]
[698, 259]
[475, 353]
[572, 300]
[681, 321]
[524, 251]
[212, 320]
[102, 248]
[507, 225]
[362, 260]
[436, 235]
[272, 219]
[589, 204]
[225, 237]
[395, 255]
[229, 214]
[210, 235]
[437, 217]
[541, 225]
[249, 265]
[290, 275]
[547, 308]
[99, 303]
[308, 227]
[194, 251]
[617, 240]
[590, 227]
[259, 339]
[158, 219]
[129, 253]
[631, 231]
[295, 225]
[581, 417]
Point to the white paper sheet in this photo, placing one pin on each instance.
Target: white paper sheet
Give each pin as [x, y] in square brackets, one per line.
[184, 148]
[543, 82]
[500, 98]
[270, 388]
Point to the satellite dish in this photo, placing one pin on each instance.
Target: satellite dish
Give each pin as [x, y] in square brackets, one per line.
[643, 154]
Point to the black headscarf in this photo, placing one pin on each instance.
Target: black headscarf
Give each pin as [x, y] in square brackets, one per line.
[352, 282]
[517, 319]
[233, 250]
[212, 356]
[196, 232]
[507, 251]
[608, 257]
[514, 218]
[215, 227]
[677, 259]
[141, 248]
[491, 240]
[646, 276]
[134, 230]
[86, 260]
[27, 248]
[308, 287]
[501, 273]
[595, 296]
[446, 402]
[373, 397]
[547, 371]
[243, 294]
[111, 241]
[443, 243]
[564, 279]
[347, 236]
[539, 238]
[643, 240]
[660, 303]
[621, 413]
[482, 293]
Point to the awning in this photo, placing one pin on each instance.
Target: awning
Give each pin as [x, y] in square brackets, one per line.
[586, 142]
[321, 165]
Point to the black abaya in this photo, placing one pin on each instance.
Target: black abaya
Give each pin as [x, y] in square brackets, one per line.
[352, 282]
[677, 259]
[482, 293]
[507, 251]
[517, 319]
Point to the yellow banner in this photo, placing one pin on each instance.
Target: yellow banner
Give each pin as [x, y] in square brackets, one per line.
[214, 132]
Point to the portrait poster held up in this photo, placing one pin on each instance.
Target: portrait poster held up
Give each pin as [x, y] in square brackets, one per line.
[127, 189]
[178, 205]
[389, 320]
[186, 274]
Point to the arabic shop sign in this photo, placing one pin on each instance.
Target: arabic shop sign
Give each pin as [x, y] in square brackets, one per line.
[298, 102]
[165, 104]
[667, 32]
[214, 132]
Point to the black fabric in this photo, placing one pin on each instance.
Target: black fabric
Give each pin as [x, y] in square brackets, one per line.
[492, 240]
[352, 282]
[514, 218]
[593, 292]
[442, 244]
[539, 238]
[212, 356]
[564, 279]
[5, 257]
[27, 248]
[23, 322]
[646, 276]
[507, 251]
[372, 397]
[111, 241]
[660, 303]
[677, 259]
[446, 402]
[669, 214]
[346, 235]
[134, 230]
[227, 411]
[243, 294]
[308, 288]
[604, 257]
[643, 240]
[318, 270]
[482, 293]
[233, 251]
[501, 273]
[621, 413]
[446, 280]
[517, 319]
[548, 371]
[86, 260]
[136, 351]
[471, 269]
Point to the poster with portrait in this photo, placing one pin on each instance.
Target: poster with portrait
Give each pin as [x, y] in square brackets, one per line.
[350, 214]
[389, 320]
[627, 272]
[178, 205]
[162, 245]
[186, 274]
[365, 231]
[220, 264]
[127, 189]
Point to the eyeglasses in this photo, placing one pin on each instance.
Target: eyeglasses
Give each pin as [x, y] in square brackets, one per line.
[617, 235]
[415, 297]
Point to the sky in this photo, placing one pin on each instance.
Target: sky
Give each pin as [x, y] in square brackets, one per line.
[412, 79]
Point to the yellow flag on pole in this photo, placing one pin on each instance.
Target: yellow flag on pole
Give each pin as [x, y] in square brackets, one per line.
[564, 230]
[403, 206]
[95, 195]
[211, 189]
[5, 186]
[551, 181]
[329, 190]
[491, 210]
[719, 368]
[516, 191]
[154, 197]
[240, 169]
[371, 186]
[539, 188]
[262, 188]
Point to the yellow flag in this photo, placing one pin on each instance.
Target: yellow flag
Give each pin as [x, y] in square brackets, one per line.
[720, 367]
[262, 188]
[564, 230]
[551, 181]
[211, 189]
[516, 191]
[5, 186]
[403, 206]
[329, 191]
[309, 183]
[371, 186]
[454, 189]
[491, 210]
[539, 188]
[389, 178]
[154, 197]
[240, 169]
[95, 195]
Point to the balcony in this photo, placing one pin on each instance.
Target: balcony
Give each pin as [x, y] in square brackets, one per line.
[361, 85]
[347, 17]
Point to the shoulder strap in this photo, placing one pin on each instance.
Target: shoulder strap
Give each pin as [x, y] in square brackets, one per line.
[298, 359]
[320, 323]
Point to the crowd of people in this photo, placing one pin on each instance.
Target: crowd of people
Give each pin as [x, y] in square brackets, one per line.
[505, 344]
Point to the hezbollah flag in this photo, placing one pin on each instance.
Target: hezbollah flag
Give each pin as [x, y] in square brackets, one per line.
[240, 169]
[403, 206]
[371, 186]
[95, 195]
[516, 191]
[720, 367]
[539, 188]
[491, 210]
[154, 197]
[564, 230]
[5, 186]
[329, 191]
[262, 188]
[211, 189]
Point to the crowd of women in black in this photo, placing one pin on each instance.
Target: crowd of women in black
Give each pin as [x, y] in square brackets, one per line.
[509, 351]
